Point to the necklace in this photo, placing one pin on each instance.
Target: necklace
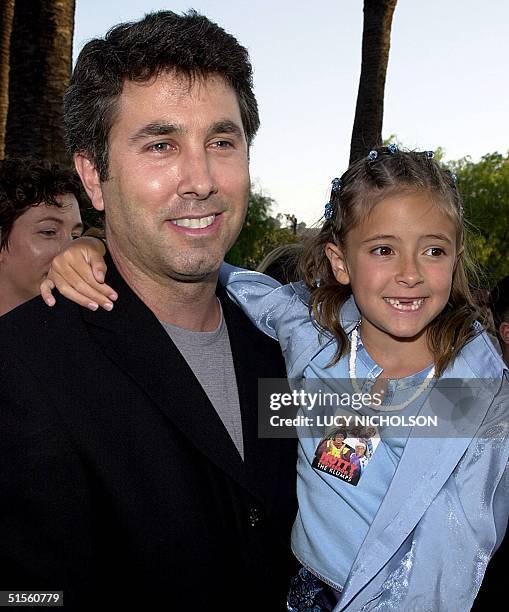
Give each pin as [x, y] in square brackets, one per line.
[353, 376]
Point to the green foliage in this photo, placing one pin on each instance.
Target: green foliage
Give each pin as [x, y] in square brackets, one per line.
[260, 234]
[484, 188]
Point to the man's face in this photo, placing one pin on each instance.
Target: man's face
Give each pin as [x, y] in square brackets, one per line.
[176, 196]
[37, 236]
[360, 449]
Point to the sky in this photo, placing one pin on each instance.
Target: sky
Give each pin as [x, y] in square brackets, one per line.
[447, 81]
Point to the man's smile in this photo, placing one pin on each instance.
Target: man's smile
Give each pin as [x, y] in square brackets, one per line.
[194, 222]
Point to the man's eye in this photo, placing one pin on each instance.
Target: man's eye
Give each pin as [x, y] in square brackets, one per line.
[222, 144]
[382, 250]
[434, 251]
[160, 147]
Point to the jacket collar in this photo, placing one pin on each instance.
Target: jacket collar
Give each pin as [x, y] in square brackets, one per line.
[136, 342]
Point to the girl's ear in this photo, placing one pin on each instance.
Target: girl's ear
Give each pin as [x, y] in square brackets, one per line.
[337, 261]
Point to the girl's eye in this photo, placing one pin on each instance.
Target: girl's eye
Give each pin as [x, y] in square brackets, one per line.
[382, 250]
[48, 232]
[434, 252]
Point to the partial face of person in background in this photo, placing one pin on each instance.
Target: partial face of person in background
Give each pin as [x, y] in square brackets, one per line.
[36, 237]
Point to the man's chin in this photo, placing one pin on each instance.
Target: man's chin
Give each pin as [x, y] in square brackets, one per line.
[199, 274]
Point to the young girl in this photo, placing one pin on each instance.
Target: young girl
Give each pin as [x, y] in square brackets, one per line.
[385, 306]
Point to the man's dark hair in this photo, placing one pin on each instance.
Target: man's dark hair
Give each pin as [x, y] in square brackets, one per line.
[29, 182]
[189, 44]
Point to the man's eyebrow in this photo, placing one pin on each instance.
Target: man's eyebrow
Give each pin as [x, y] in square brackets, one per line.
[226, 126]
[157, 128]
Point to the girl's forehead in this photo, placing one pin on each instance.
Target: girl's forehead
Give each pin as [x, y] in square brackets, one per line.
[407, 214]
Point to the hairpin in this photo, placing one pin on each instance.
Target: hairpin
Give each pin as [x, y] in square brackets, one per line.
[454, 177]
[329, 211]
[372, 155]
[429, 154]
[336, 184]
[392, 148]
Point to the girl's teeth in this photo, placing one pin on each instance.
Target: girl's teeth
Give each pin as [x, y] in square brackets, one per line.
[413, 305]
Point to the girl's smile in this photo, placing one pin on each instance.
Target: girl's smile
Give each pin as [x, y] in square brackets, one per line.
[399, 262]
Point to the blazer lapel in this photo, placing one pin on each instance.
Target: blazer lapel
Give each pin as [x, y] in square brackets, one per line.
[136, 342]
[427, 462]
[266, 460]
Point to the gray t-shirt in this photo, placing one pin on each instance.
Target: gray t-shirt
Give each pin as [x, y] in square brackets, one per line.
[209, 356]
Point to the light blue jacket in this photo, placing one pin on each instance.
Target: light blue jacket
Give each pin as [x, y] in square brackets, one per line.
[447, 507]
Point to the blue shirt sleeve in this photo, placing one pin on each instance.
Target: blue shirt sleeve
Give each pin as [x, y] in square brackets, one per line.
[280, 311]
[264, 300]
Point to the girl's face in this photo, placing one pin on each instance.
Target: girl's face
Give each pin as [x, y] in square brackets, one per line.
[399, 262]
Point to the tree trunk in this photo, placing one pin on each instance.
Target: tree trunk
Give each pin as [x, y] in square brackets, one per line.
[6, 15]
[376, 42]
[40, 60]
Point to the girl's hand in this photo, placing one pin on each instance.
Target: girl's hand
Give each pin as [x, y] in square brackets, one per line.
[78, 273]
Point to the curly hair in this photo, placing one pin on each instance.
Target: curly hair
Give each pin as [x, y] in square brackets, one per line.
[190, 45]
[367, 182]
[26, 182]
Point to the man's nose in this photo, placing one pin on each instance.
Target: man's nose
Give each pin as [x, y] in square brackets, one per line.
[197, 181]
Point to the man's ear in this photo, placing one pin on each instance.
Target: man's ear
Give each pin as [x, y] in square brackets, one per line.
[337, 260]
[90, 179]
[503, 330]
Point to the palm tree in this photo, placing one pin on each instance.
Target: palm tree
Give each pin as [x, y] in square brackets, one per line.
[6, 15]
[40, 67]
[376, 42]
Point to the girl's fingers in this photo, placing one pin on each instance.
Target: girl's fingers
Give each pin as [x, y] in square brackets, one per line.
[85, 292]
[78, 273]
[46, 288]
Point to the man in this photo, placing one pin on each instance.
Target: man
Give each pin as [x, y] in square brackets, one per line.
[139, 480]
[39, 216]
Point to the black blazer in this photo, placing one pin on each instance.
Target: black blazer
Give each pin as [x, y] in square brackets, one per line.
[118, 482]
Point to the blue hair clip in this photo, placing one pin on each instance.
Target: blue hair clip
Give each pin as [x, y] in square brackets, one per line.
[454, 177]
[429, 154]
[336, 184]
[372, 155]
[392, 148]
[329, 211]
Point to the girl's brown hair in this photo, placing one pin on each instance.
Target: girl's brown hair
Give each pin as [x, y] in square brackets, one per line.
[386, 172]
